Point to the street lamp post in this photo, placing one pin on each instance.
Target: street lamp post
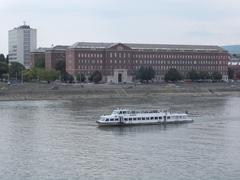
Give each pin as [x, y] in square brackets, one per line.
[22, 76]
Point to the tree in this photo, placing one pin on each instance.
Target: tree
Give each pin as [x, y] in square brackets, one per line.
[145, 73]
[216, 76]
[48, 75]
[172, 75]
[40, 74]
[2, 58]
[193, 75]
[95, 77]
[81, 77]
[67, 77]
[3, 68]
[29, 75]
[15, 70]
[204, 75]
[230, 73]
[7, 59]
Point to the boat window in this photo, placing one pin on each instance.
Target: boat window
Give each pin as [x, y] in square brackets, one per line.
[125, 119]
[143, 118]
[116, 119]
[111, 119]
[120, 112]
[156, 118]
[147, 118]
[151, 118]
[160, 117]
[130, 119]
[107, 119]
[139, 118]
[124, 112]
[168, 117]
[134, 119]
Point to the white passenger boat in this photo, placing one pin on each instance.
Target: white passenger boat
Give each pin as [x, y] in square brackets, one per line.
[138, 117]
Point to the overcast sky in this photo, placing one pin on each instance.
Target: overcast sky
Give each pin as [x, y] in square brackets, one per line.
[210, 22]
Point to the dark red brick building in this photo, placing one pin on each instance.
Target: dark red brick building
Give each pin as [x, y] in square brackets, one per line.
[37, 55]
[53, 55]
[234, 64]
[120, 62]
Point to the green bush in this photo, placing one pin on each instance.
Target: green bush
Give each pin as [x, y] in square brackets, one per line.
[145, 74]
[40, 74]
[95, 77]
[216, 76]
[193, 75]
[173, 75]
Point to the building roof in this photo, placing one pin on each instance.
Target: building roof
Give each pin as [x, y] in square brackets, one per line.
[149, 46]
[24, 27]
[44, 49]
[91, 45]
[40, 50]
[59, 47]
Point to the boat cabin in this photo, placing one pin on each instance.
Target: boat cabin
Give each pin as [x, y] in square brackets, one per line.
[120, 111]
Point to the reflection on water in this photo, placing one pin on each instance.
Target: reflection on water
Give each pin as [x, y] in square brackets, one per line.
[60, 140]
[126, 130]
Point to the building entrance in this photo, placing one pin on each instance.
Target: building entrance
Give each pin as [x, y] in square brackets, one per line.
[120, 78]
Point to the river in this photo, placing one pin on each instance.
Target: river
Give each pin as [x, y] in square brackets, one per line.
[60, 140]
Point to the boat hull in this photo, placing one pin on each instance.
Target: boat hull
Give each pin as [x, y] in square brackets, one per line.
[143, 123]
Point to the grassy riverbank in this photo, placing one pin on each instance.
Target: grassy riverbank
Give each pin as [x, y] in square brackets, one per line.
[41, 91]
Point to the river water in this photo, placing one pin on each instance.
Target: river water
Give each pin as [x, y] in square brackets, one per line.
[60, 140]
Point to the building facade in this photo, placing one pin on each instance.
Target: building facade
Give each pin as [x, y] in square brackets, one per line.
[234, 64]
[119, 62]
[38, 55]
[21, 41]
[53, 55]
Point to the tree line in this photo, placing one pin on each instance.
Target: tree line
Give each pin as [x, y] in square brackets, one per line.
[15, 71]
[146, 74]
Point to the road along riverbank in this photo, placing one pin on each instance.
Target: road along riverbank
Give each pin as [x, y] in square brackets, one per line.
[41, 91]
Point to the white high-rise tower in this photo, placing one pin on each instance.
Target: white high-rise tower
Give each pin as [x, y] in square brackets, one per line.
[21, 41]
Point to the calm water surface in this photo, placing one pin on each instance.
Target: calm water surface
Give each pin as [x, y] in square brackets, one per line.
[60, 140]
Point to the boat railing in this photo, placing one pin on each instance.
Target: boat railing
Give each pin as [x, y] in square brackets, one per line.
[132, 112]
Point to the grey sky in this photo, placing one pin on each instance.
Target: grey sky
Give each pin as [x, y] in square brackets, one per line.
[213, 22]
